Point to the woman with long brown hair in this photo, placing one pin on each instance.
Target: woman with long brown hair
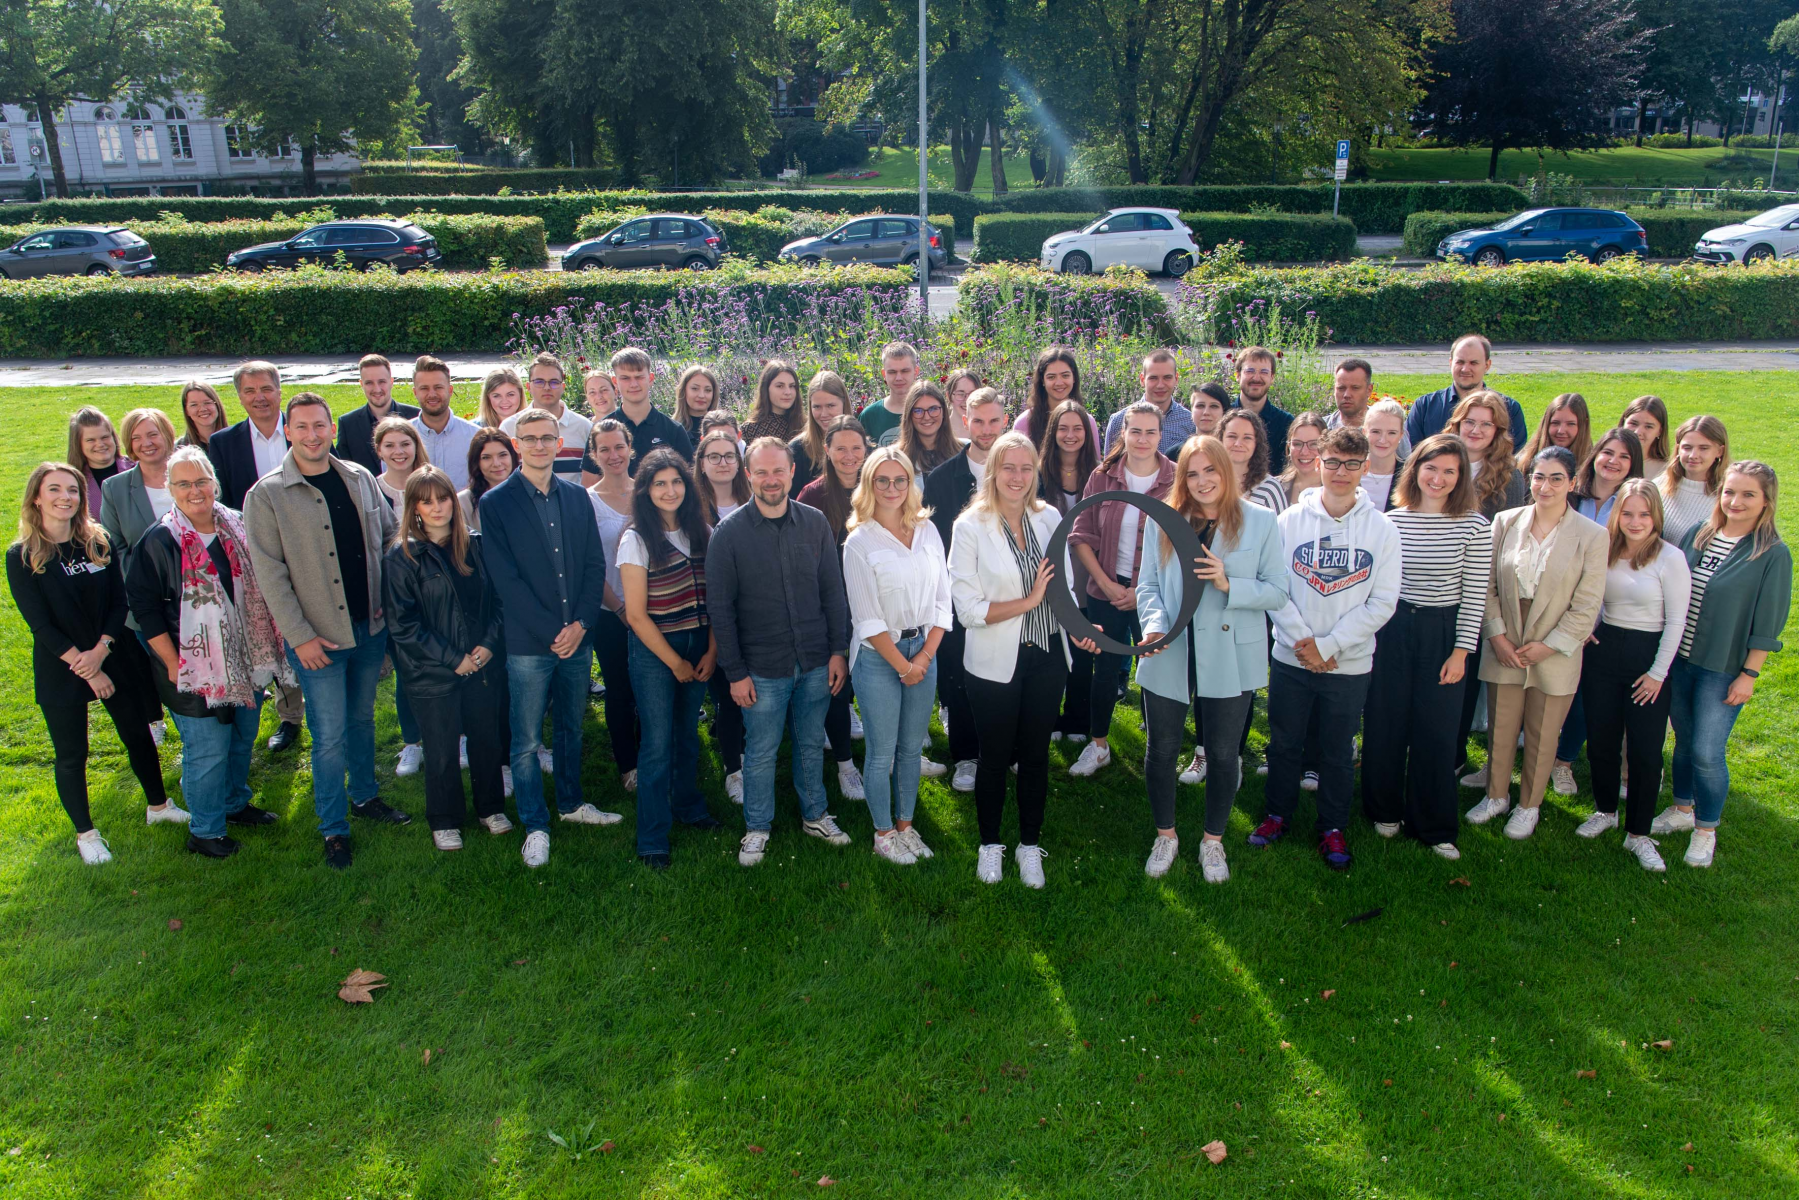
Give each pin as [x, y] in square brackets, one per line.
[94, 451]
[1647, 417]
[502, 396]
[1691, 482]
[826, 399]
[1482, 422]
[722, 484]
[696, 394]
[777, 413]
[1245, 439]
[1565, 423]
[924, 428]
[1304, 435]
[1070, 455]
[202, 414]
[1055, 378]
[491, 461]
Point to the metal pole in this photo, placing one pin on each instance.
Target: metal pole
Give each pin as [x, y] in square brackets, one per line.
[1336, 197]
[1779, 95]
[924, 181]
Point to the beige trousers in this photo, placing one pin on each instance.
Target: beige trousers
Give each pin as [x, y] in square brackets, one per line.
[1512, 704]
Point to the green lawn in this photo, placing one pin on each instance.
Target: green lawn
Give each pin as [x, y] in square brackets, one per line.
[1624, 165]
[903, 1031]
[897, 167]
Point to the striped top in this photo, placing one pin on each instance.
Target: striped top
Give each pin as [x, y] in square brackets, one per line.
[677, 588]
[1710, 559]
[1040, 625]
[1446, 561]
[1269, 494]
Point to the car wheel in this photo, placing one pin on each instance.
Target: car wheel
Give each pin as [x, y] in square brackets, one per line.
[1605, 254]
[97, 269]
[811, 260]
[1077, 263]
[1758, 252]
[590, 264]
[1490, 256]
[1178, 263]
[696, 263]
[909, 260]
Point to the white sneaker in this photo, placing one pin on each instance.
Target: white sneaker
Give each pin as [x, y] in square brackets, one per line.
[1489, 808]
[1030, 865]
[1561, 778]
[497, 824]
[753, 846]
[506, 781]
[1476, 780]
[412, 757]
[913, 842]
[1387, 829]
[587, 814]
[849, 781]
[157, 730]
[1355, 751]
[169, 814]
[889, 846]
[825, 828]
[1671, 820]
[734, 786]
[546, 759]
[1211, 862]
[1196, 770]
[1597, 824]
[95, 851]
[1701, 847]
[1077, 738]
[943, 718]
[963, 779]
[462, 753]
[855, 724]
[930, 770]
[924, 743]
[1447, 850]
[447, 839]
[1162, 853]
[1092, 759]
[1262, 767]
[1055, 735]
[630, 780]
[537, 848]
[1644, 849]
[990, 863]
[1522, 823]
[1308, 782]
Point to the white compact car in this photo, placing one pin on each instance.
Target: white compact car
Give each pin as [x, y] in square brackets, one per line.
[1773, 234]
[1151, 239]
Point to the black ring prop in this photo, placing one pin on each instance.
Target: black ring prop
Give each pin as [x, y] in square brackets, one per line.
[1180, 535]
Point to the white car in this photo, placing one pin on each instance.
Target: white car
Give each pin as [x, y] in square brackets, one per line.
[1773, 234]
[1150, 239]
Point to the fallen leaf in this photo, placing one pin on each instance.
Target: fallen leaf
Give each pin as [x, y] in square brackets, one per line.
[755, 1150]
[826, 1180]
[1215, 1151]
[1586, 1074]
[519, 962]
[359, 987]
[1460, 881]
[1386, 1083]
[1567, 1103]
[606, 1147]
[1454, 965]
[1502, 1117]
[1687, 1149]
[174, 923]
[427, 1056]
[1689, 1168]
[1328, 993]
[334, 952]
[1664, 1044]
[1286, 1045]
[1042, 1121]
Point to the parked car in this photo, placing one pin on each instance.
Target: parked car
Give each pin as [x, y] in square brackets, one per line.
[659, 240]
[877, 239]
[363, 243]
[1548, 235]
[1773, 234]
[1152, 239]
[78, 250]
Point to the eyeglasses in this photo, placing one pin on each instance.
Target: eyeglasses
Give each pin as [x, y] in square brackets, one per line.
[1474, 426]
[927, 410]
[548, 439]
[549, 383]
[896, 483]
[1342, 464]
[1539, 477]
[718, 460]
[1311, 445]
[191, 485]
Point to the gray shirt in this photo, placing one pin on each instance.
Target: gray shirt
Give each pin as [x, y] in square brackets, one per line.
[774, 591]
[448, 451]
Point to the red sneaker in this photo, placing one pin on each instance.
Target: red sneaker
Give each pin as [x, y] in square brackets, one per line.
[1335, 850]
[1270, 831]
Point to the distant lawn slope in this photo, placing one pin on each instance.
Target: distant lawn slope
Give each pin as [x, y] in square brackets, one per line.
[1623, 165]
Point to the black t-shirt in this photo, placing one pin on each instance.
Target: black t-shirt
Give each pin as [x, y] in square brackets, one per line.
[655, 431]
[102, 474]
[346, 532]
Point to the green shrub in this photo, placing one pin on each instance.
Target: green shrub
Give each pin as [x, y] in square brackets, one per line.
[1423, 230]
[317, 311]
[1275, 237]
[1672, 232]
[464, 182]
[760, 235]
[1077, 306]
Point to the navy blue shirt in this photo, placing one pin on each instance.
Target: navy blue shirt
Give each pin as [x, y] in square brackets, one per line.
[548, 506]
[1431, 411]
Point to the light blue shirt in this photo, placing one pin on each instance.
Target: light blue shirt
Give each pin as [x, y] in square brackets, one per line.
[448, 451]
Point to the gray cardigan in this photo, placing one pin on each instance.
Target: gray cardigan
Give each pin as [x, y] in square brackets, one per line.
[294, 553]
[126, 515]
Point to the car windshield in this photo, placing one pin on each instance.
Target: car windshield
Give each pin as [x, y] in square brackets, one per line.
[1774, 218]
[1523, 218]
[1096, 223]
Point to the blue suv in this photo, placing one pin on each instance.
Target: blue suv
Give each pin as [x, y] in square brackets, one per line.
[1548, 235]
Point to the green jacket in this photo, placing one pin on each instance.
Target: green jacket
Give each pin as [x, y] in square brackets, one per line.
[1745, 606]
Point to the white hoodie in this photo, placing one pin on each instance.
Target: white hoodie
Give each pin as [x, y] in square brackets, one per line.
[1343, 578]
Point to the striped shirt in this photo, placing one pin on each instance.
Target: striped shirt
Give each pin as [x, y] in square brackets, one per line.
[1269, 494]
[1040, 624]
[1710, 559]
[1445, 562]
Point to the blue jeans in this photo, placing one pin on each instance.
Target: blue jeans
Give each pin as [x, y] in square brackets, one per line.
[668, 752]
[809, 696]
[409, 724]
[215, 766]
[1702, 723]
[893, 715]
[539, 681]
[340, 711]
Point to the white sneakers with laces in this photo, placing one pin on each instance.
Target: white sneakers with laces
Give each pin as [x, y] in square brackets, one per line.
[1488, 808]
[1162, 853]
[95, 851]
[587, 814]
[412, 759]
[753, 846]
[889, 846]
[447, 839]
[990, 862]
[734, 786]
[1447, 850]
[497, 824]
[629, 780]
[1212, 863]
[1671, 819]
[910, 839]
[1597, 824]
[1308, 782]
[1093, 757]
[169, 814]
[930, 770]
[536, 851]
[1196, 770]
[1387, 829]
[849, 781]
[546, 759]
[1645, 850]
[855, 724]
[963, 779]
[1476, 779]
[1030, 865]
[1561, 778]
[825, 829]
[1701, 848]
[1522, 823]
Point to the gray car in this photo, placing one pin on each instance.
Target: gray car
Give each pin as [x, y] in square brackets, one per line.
[78, 250]
[883, 240]
[670, 240]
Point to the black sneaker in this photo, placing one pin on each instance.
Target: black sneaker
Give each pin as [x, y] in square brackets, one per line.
[655, 862]
[379, 810]
[215, 847]
[286, 737]
[249, 814]
[337, 851]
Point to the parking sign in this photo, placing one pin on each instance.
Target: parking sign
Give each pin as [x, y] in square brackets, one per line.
[1343, 158]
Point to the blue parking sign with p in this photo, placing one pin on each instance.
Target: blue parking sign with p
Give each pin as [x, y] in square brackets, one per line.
[1342, 149]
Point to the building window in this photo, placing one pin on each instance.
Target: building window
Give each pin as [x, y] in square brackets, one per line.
[7, 157]
[181, 145]
[237, 142]
[112, 142]
[143, 135]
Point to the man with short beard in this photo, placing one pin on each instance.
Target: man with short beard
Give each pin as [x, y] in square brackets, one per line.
[445, 435]
[356, 428]
[1255, 375]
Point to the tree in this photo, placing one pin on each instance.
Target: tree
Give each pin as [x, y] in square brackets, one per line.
[1541, 75]
[319, 74]
[55, 51]
[446, 100]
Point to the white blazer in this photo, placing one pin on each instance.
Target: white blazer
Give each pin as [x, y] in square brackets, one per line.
[982, 570]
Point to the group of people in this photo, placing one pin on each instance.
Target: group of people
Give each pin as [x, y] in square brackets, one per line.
[824, 576]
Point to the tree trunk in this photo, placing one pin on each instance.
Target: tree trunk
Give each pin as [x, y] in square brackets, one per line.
[1057, 174]
[1689, 129]
[309, 176]
[1493, 163]
[1642, 113]
[1039, 166]
[965, 138]
[996, 162]
[46, 116]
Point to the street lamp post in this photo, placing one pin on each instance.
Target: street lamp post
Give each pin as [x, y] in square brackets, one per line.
[924, 178]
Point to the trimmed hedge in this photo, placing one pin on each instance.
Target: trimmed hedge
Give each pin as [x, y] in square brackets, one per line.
[1672, 232]
[422, 181]
[1266, 237]
[752, 234]
[1082, 305]
[315, 311]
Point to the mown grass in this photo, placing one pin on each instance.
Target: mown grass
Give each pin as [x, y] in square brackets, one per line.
[903, 1031]
[1642, 166]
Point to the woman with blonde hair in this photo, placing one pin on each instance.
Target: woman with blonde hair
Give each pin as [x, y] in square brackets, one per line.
[826, 399]
[69, 589]
[1565, 423]
[94, 451]
[1241, 574]
[502, 396]
[202, 414]
[1304, 436]
[777, 413]
[1647, 417]
[896, 574]
[401, 451]
[924, 428]
[1481, 421]
[1691, 482]
[696, 394]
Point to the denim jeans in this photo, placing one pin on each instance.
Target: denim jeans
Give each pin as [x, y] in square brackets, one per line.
[1702, 723]
[808, 694]
[340, 711]
[668, 757]
[543, 683]
[894, 715]
[215, 766]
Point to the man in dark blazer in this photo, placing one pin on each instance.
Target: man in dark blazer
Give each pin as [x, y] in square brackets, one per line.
[356, 428]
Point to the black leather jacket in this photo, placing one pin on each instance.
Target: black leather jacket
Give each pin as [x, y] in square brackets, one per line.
[153, 589]
[428, 629]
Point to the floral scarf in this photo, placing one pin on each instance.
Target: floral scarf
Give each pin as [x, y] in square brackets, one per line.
[224, 660]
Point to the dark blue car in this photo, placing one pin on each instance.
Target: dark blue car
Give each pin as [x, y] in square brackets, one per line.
[1548, 235]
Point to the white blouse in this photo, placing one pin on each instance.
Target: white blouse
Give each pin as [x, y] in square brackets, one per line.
[1527, 556]
[892, 586]
[1653, 599]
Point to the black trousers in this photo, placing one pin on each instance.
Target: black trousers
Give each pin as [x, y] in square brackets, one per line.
[1077, 694]
[1164, 719]
[837, 725]
[727, 723]
[952, 689]
[68, 741]
[1609, 671]
[610, 644]
[1015, 719]
[476, 709]
[1408, 737]
[1121, 625]
[1295, 697]
[1471, 690]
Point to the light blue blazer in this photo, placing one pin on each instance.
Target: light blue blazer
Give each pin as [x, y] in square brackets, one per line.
[1228, 639]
